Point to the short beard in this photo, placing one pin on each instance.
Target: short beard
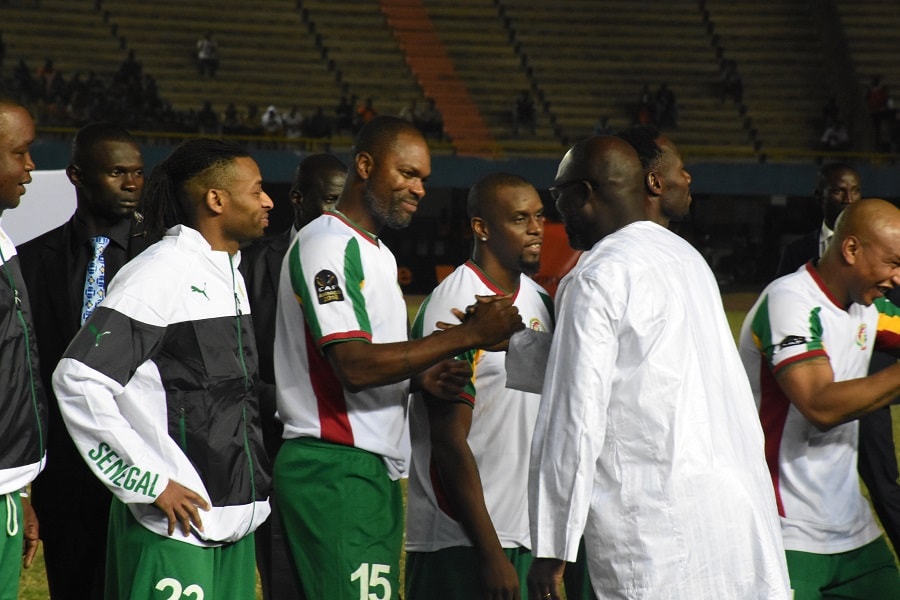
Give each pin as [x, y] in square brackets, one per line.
[393, 217]
[530, 268]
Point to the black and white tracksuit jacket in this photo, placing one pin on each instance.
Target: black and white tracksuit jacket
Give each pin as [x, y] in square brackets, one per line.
[160, 383]
[23, 406]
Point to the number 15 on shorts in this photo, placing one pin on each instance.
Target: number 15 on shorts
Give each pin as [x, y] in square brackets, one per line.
[372, 580]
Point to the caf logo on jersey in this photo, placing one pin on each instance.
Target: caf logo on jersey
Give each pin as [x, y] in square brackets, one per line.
[327, 288]
[861, 337]
[536, 325]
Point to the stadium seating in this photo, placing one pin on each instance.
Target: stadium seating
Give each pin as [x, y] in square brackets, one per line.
[778, 52]
[579, 59]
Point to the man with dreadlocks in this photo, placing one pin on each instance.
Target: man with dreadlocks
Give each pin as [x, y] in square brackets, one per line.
[158, 388]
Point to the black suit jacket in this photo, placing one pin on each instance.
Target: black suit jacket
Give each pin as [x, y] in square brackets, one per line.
[66, 489]
[261, 268]
[798, 253]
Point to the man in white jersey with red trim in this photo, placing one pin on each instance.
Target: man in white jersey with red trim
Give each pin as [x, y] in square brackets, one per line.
[806, 346]
[343, 364]
[467, 516]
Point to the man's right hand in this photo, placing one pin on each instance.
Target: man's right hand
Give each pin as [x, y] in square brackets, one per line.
[500, 578]
[493, 319]
[180, 505]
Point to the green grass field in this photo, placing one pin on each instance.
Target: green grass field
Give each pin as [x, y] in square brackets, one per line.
[34, 583]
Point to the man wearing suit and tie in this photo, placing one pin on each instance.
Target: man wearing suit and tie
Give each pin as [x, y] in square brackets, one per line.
[316, 186]
[836, 186]
[67, 270]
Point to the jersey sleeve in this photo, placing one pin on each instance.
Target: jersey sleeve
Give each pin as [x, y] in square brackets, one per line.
[327, 277]
[572, 420]
[104, 356]
[787, 329]
[887, 337]
[438, 307]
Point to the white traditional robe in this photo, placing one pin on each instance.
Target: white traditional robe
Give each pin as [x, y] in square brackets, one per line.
[647, 440]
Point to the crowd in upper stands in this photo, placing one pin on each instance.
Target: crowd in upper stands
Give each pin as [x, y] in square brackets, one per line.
[131, 97]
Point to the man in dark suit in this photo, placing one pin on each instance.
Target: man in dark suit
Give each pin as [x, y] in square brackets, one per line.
[107, 171]
[836, 186]
[317, 184]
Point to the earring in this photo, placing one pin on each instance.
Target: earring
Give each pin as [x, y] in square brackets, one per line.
[483, 239]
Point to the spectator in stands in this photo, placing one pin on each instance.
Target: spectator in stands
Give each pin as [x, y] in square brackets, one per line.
[78, 109]
[94, 85]
[231, 120]
[666, 107]
[603, 127]
[207, 55]
[208, 120]
[293, 123]
[830, 111]
[732, 84]
[429, 120]
[23, 82]
[365, 113]
[46, 71]
[55, 111]
[835, 137]
[131, 69]
[76, 85]
[645, 108]
[344, 115]
[524, 114]
[318, 125]
[878, 100]
[250, 121]
[408, 112]
[271, 121]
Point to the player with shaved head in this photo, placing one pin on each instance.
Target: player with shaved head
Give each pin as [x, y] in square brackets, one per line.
[806, 346]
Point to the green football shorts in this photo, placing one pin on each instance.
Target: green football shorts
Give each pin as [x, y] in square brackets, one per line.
[865, 573]
[453, 573]
[11, 545]
[142, 565]
[343, 519]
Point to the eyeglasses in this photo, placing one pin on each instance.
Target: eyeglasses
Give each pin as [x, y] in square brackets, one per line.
[579, 191]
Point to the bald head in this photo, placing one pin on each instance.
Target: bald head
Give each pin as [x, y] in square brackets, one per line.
[868, 219]
[599, 189]
[863, 260]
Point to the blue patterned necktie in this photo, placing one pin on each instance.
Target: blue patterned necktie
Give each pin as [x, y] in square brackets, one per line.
[95, 278]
